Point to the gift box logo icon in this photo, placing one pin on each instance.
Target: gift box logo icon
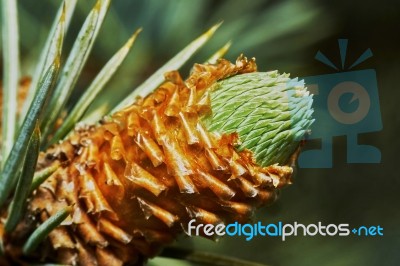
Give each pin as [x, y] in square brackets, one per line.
[345, 104]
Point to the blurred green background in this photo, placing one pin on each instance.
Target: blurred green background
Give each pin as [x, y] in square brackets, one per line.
[283, 35]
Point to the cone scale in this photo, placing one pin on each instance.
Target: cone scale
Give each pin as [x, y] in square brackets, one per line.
[196, 149]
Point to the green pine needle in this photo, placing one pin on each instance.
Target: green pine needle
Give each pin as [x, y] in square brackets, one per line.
[18, 152]
[92, 116]
[175, 63]
[94, 89]
[44, 229]
[42, 175]
[49, 51]
[219, 54]
[185, 257]
[10, 76]
[74, 64]
[18, 204]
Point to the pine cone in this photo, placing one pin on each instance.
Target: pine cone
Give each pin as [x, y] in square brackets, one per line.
[211, 148]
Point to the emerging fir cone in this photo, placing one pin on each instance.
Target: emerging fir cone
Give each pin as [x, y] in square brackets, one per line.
[202, 149]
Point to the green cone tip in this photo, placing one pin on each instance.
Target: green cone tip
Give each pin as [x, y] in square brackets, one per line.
[269, 111]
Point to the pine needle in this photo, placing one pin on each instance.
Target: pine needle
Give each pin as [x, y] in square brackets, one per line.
[94, 89]
[74, 64]
[219, 54]
[18, 152]
[173, 64]
[49, 51]
[10, 75]
[44, 229]
[18, 204]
